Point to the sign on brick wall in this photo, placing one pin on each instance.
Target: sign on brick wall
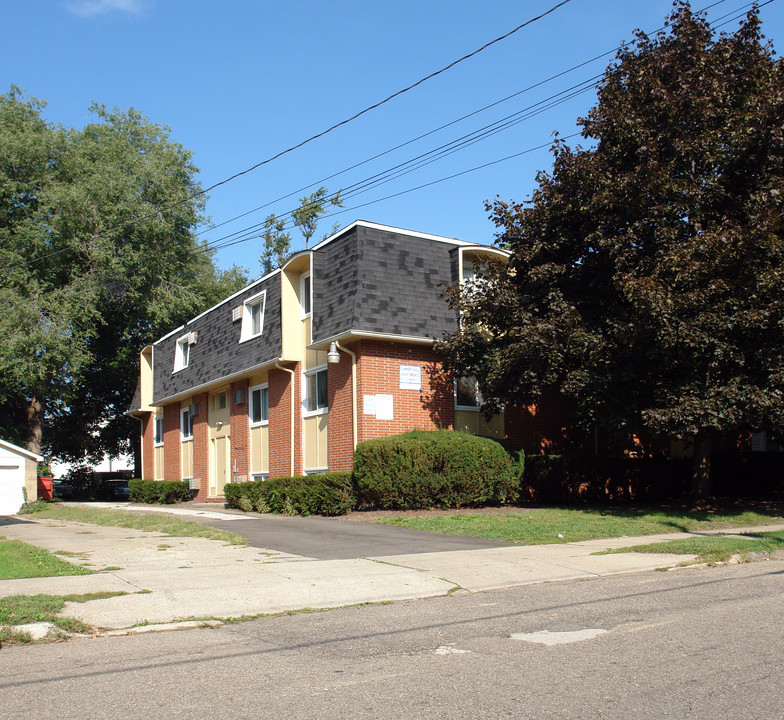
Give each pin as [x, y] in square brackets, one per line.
[410, 377]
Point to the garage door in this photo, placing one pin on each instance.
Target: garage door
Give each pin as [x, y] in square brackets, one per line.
[11, 486]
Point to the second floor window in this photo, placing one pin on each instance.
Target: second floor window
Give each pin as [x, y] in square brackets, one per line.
[182, 353]
[158, 434]
[253, 316]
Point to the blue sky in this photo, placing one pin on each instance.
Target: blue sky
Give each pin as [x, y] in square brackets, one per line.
[239, 80]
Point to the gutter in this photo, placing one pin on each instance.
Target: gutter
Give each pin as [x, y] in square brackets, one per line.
[292, 373]
[353, 390]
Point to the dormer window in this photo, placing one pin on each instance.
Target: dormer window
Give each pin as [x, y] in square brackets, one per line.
[182, 353]
[253, 316]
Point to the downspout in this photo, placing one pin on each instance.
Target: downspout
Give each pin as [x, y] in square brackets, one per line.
[353, 390]
[292, 373]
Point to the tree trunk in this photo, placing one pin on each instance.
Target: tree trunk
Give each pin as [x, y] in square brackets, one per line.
[35, 422]
[700, 479]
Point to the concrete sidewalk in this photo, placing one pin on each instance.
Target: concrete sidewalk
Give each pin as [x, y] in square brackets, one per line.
[171, 578]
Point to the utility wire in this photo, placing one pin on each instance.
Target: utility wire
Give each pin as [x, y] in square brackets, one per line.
[378, 104]
[458, 120]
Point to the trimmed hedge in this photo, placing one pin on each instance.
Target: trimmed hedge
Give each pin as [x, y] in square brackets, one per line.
[327, 494]
[437, 468]
[159, 491]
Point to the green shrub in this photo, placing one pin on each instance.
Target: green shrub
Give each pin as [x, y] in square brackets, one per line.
[159, 491]
[235, 492]
[328, 494]
[438, 468]
[576, 479]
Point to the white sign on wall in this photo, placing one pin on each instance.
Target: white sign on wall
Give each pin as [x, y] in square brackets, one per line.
[384, 407]
[410, 377]
[369, 404]
[381, 406]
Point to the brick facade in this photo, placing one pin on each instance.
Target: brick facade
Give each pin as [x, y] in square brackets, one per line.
[201, 447]
[341, 424]
[171, 442]
[240, 432]
[430, 408]
[280, 390]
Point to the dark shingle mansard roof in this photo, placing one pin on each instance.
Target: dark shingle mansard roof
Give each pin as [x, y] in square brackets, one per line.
[366, 279]
[377, 280]
[218, 352]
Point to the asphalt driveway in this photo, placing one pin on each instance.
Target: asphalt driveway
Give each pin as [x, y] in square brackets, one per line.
[333, 539]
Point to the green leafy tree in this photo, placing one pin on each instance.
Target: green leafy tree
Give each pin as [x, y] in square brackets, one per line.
[277, 243]
[646, 279]
[311, 208]
[98, 258]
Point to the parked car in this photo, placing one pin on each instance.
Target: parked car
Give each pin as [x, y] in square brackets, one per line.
[62, 490]
[117, 489]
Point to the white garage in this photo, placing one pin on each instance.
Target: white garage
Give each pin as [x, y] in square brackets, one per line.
[18, 473]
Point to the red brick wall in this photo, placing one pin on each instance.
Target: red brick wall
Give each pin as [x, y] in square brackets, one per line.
[539, 428]
[339, 396]
[240, 432]
[280, 389]
[148, 446]
[201, 447]
[171, 442]
[378, 373]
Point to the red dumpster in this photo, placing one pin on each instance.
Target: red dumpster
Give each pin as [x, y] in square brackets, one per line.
[45, 487]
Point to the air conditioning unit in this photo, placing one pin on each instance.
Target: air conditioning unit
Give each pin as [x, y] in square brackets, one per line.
[238, 397]
[193, 337]
[193, 409]
[236, 313]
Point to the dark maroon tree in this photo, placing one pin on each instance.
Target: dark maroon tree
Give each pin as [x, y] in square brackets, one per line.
[647, 272]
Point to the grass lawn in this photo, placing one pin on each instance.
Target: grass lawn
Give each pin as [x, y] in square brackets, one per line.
[560, 525]
[168, 525]
[20, 560]
[23, 609]
[713, 549]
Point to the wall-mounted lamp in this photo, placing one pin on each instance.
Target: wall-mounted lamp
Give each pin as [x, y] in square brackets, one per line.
[219, 424]
[333, 356]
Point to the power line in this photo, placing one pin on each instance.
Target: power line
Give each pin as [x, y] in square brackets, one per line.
[318, 135]
[458, 120]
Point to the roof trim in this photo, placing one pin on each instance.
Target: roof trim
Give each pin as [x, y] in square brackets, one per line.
[389, 228]
[370, 335]
[21, 451]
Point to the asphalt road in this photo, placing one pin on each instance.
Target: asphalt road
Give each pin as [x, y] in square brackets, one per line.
[696, 643]
[333, 539]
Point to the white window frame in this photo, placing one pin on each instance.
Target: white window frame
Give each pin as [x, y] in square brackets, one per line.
[157, 438]
[477, 396]
[182, 353]
[257, 301]
[259, 476]
[186, 413]
[252, 405]
[305, 295]
[306, 391]
[316, 471]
